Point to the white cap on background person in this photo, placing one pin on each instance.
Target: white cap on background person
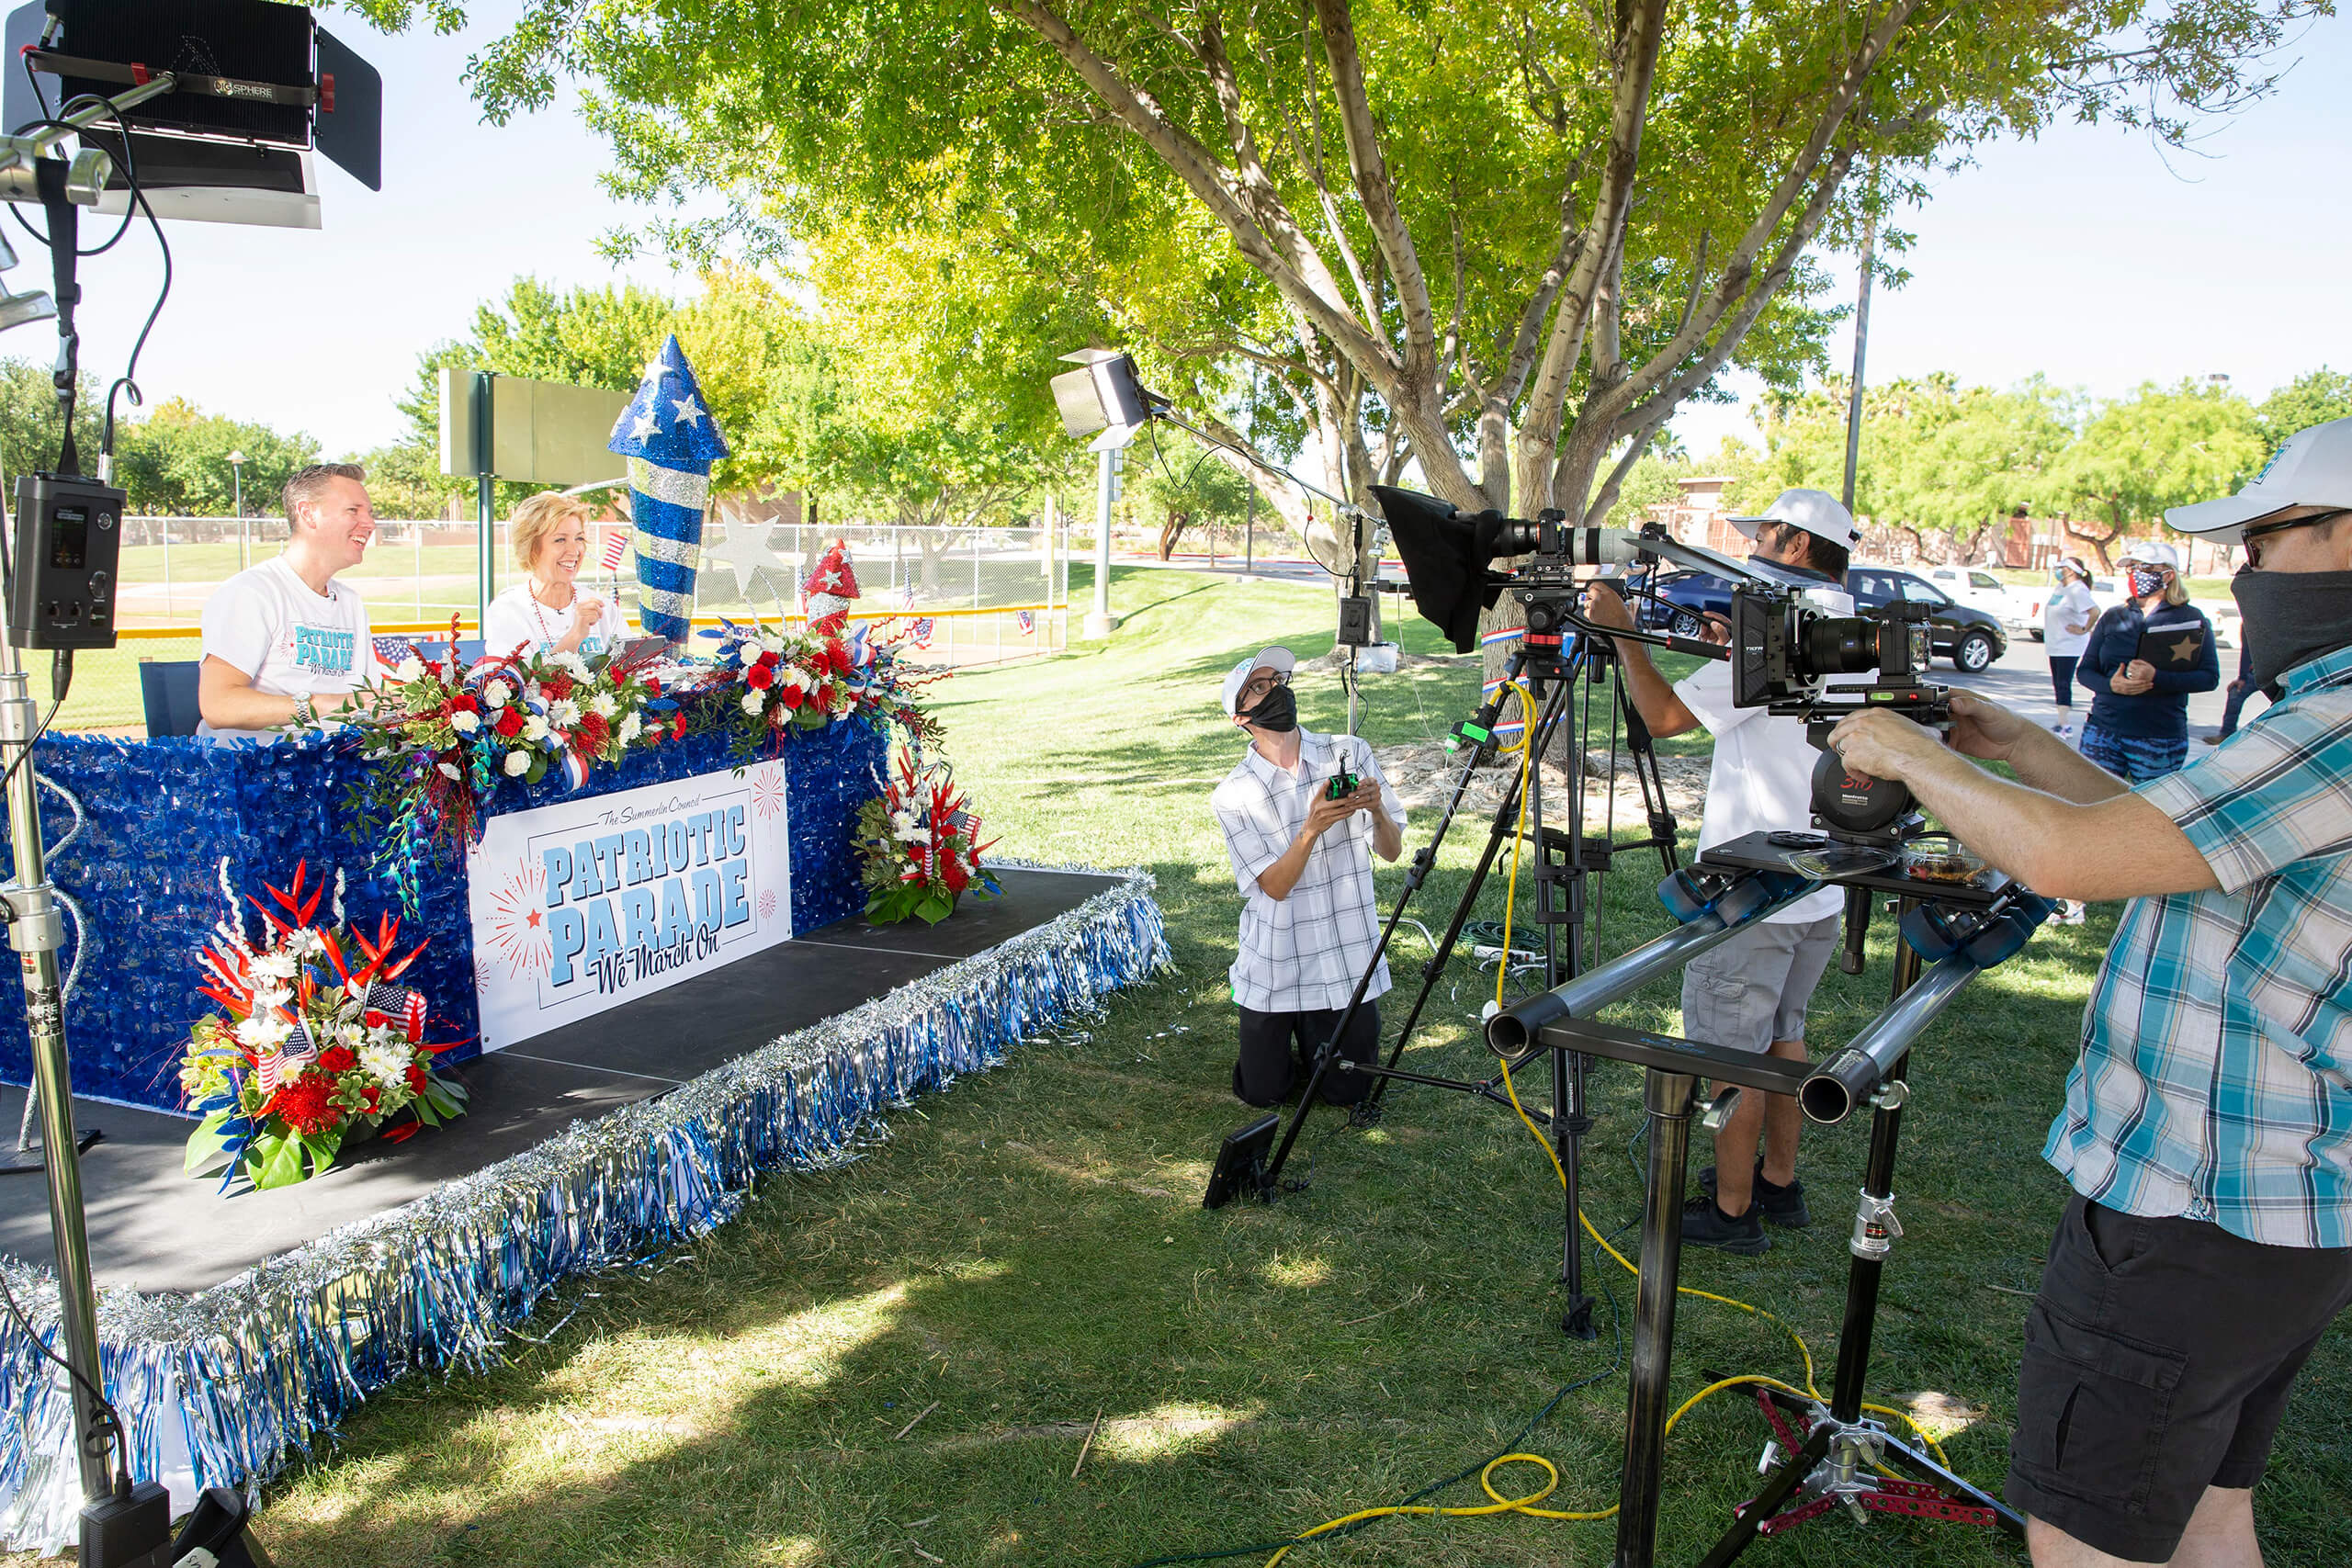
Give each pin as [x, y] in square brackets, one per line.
[2312, 468]
[2153, 552]
[1279, 660]
[1815, 511]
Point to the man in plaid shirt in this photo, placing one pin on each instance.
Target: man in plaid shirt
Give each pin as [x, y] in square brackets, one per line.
[2207, 1124]
[1301, 840]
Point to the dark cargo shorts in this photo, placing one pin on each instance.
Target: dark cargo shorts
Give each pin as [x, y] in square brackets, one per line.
[2157, 1360]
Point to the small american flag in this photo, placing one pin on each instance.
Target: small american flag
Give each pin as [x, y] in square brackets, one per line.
[907, 595]
[392, 651]
[1025, 621]
[615, 547]
[919, 633]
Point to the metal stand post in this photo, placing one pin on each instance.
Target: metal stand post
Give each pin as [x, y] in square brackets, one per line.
[1668, 1097]
[36, 930]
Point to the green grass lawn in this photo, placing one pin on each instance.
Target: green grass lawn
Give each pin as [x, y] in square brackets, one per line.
[1027, 1252]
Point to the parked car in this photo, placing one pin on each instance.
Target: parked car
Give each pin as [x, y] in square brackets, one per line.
[1971, 638]
[1972, 586]
[2227, 623]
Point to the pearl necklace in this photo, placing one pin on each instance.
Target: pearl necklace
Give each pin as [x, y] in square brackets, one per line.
[539, 613]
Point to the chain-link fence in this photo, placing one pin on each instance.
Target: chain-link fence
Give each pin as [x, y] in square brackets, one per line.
[960, 596]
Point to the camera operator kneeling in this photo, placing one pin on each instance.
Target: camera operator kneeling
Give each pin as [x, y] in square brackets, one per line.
[1750, 994]
[2207, 1124]
[1303, 814]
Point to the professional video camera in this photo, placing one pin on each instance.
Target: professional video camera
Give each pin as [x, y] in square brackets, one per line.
[1784, 654]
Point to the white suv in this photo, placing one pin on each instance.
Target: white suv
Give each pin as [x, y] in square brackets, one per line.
[1972, 586]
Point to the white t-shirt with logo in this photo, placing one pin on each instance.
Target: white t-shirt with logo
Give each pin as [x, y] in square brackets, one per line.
[1761, 781]
[266, 622]
[519, 621]
[2072, 602]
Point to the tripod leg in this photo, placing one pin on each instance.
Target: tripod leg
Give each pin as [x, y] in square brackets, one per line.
[1570, 1124]
[1785, 1480]
[1668, 1098]
[1903, 1456]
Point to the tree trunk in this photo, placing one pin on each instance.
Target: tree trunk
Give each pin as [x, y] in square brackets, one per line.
[1173, 530]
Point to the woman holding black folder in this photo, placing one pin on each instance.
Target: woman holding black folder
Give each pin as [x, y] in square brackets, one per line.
[2144, 658]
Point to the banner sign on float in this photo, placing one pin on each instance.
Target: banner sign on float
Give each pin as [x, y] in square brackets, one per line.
[585, 904]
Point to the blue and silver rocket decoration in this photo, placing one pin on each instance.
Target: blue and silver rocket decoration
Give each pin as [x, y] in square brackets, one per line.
[670, 442]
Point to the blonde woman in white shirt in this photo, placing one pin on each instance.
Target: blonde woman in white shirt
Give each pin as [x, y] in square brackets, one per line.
[549, 611]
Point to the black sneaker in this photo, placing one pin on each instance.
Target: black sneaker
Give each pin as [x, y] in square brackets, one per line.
[1784, 1206]
[1704, 1224]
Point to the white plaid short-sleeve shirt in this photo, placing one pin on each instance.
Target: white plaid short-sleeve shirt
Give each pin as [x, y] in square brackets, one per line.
[1303, 953]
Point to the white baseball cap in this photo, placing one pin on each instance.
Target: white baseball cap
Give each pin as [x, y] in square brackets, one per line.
[1276, 658]
[2314, 467]
[1815, 511]
[2152, 552]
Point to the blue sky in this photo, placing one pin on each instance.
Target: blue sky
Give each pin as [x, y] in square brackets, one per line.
[2086, 256]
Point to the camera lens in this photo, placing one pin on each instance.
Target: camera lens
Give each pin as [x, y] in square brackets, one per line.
[1839, 645]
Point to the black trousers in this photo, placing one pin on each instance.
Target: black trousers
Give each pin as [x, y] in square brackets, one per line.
[1278, 1054]
[2061, 679]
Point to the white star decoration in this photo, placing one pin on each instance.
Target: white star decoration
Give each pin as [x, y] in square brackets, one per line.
[655, 369]
[645, 426]
[746, 554]
[690, 409]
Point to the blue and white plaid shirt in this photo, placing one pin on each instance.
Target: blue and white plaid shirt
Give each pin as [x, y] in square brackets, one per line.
[2215, 1080]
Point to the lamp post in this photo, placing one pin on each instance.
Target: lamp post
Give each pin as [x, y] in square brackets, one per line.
[237, 480]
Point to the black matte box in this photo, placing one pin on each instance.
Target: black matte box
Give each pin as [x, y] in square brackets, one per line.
[250, 41]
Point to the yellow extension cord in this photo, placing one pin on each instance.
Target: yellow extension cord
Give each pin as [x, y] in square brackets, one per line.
[1526, 1504]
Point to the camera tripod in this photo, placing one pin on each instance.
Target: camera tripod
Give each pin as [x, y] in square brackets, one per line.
[1833, 1446]
[1564, 859]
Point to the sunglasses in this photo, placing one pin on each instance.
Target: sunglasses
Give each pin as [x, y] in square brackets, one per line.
[2249, 537]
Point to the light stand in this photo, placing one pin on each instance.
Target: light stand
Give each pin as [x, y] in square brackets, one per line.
[1966, 930]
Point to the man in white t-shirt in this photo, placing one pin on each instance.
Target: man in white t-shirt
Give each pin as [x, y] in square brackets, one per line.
[1751, 993]
[284, 642]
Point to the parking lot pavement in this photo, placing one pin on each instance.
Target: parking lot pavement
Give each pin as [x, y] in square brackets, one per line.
[2020, 679]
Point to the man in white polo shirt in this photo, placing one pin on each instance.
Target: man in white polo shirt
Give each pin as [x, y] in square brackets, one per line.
[285, 643]
[1751, 993]
[1302, 852]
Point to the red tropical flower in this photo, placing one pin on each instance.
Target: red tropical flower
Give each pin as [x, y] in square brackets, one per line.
[555, 685]
[594, 731]
[307, 1104]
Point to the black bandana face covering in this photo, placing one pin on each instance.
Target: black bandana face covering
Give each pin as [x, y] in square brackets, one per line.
[1277, 711]
[2292, 617]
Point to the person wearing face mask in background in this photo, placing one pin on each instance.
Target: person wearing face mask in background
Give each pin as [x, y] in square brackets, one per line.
[2067, 616]
[1303, 858]
[2206, 1128]
[2139, 724]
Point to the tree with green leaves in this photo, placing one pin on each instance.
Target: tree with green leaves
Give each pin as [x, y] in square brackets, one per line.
[1935, 458]
[2313, 398]
[176, 463]
[1500, 242]
[2160, 447]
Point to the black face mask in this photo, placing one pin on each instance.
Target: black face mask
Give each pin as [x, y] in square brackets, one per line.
[1277, 711]
[2292, 617]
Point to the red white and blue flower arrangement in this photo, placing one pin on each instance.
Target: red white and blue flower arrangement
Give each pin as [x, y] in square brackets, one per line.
[315, 1047]
[919, 845]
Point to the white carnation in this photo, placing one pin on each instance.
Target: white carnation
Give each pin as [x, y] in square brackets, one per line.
[264, 1031]
[388, 1065]
[465, 723]
[410, 669]
[517, 763]
[535, 729]
[754, 701]
[495, 693]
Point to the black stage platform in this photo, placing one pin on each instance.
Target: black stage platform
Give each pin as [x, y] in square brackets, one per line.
[154, 1228]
